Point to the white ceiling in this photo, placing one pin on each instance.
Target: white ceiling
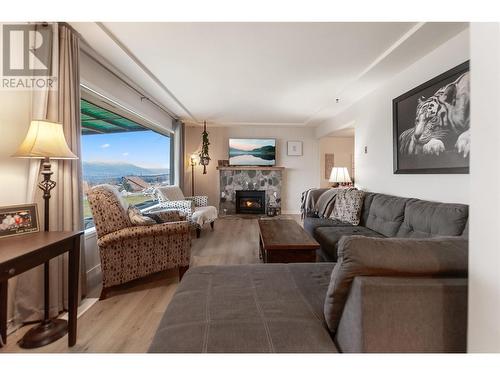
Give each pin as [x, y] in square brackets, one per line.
[262, 73]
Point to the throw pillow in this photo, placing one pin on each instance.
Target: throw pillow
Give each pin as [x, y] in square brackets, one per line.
[166, 216]
[155, 217]
[325, 203]
[348, 205]
[137, 218]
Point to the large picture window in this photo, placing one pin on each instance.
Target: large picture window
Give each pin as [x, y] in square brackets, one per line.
[121, 152]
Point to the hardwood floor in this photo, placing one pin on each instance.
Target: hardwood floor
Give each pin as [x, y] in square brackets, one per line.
[126, 322]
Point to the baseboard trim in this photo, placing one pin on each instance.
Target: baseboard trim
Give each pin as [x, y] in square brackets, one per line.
[85, 305]
[94, 277]
[290, 212]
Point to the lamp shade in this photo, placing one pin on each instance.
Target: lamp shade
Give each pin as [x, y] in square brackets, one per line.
[194, 159]
[340, 175]
[45, 139]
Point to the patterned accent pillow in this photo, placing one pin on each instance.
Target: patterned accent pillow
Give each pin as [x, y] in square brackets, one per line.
[155, 217]
[348, 205]
[166, 216]
[137, 218]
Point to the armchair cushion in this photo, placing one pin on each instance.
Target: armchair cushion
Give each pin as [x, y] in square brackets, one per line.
[363, 256]
[166, 229]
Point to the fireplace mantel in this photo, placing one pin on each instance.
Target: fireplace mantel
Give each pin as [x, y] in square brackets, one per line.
[242, 168]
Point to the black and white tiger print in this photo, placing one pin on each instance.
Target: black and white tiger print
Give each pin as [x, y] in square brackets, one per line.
[442, 122]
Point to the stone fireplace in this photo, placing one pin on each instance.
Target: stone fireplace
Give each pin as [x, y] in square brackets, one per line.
[265, 181]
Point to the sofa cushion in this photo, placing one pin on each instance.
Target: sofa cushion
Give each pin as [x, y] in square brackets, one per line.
[248, 309]
[362, 256]
[347, 207]
[386, 214]
[328, 237]
[311, 223]
[430, 219]
[367, 202]
[413, 311]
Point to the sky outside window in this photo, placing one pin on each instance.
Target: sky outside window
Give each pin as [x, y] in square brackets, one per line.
[146, 149]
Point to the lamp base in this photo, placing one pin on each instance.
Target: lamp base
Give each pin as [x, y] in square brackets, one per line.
[44, 333]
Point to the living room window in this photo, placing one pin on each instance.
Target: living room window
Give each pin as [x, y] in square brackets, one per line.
[121, 151]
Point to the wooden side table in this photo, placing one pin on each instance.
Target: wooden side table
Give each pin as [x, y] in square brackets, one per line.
[22, 253]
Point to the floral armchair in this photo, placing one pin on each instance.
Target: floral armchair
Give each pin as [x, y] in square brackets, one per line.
[198, 212]
[131, 252]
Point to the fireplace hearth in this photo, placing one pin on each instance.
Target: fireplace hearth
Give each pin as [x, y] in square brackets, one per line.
[250, 202]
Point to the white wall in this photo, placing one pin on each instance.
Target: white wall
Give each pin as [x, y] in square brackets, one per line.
[372, 116]
[484, 249]
[342, 149]
[14, 123]
[301, 173]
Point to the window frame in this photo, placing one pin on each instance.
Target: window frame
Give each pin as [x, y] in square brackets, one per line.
[107, 104]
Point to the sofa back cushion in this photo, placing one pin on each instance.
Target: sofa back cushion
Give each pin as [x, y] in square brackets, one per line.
[425, 219]
[393, 257]
[367, 202]
[385, 214]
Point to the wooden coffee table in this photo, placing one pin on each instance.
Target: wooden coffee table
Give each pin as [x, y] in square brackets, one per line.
[285, 241]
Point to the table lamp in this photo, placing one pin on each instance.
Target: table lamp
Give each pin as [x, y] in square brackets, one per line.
[45, 140]
[339, 176]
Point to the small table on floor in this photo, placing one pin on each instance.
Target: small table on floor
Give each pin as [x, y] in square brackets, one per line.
[285, 241]
[22, 253]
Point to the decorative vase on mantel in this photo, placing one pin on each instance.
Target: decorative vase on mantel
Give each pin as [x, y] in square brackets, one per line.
[204, 156]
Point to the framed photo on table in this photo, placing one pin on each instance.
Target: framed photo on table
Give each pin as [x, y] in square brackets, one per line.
[18, 219]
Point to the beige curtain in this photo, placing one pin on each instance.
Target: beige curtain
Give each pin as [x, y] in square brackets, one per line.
[179, 134]
[61, 105]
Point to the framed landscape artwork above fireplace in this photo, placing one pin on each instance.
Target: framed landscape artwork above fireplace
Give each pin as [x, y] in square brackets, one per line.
[252, 152]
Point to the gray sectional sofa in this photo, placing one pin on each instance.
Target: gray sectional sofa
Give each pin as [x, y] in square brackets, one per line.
[385, 216]
[398, 284]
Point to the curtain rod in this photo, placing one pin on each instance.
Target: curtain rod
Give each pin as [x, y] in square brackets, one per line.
[92, 53]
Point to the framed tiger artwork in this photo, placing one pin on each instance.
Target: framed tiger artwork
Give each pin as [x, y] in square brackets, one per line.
[431, 125]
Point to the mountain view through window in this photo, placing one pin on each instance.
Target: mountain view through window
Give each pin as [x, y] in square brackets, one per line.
[122, 153]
